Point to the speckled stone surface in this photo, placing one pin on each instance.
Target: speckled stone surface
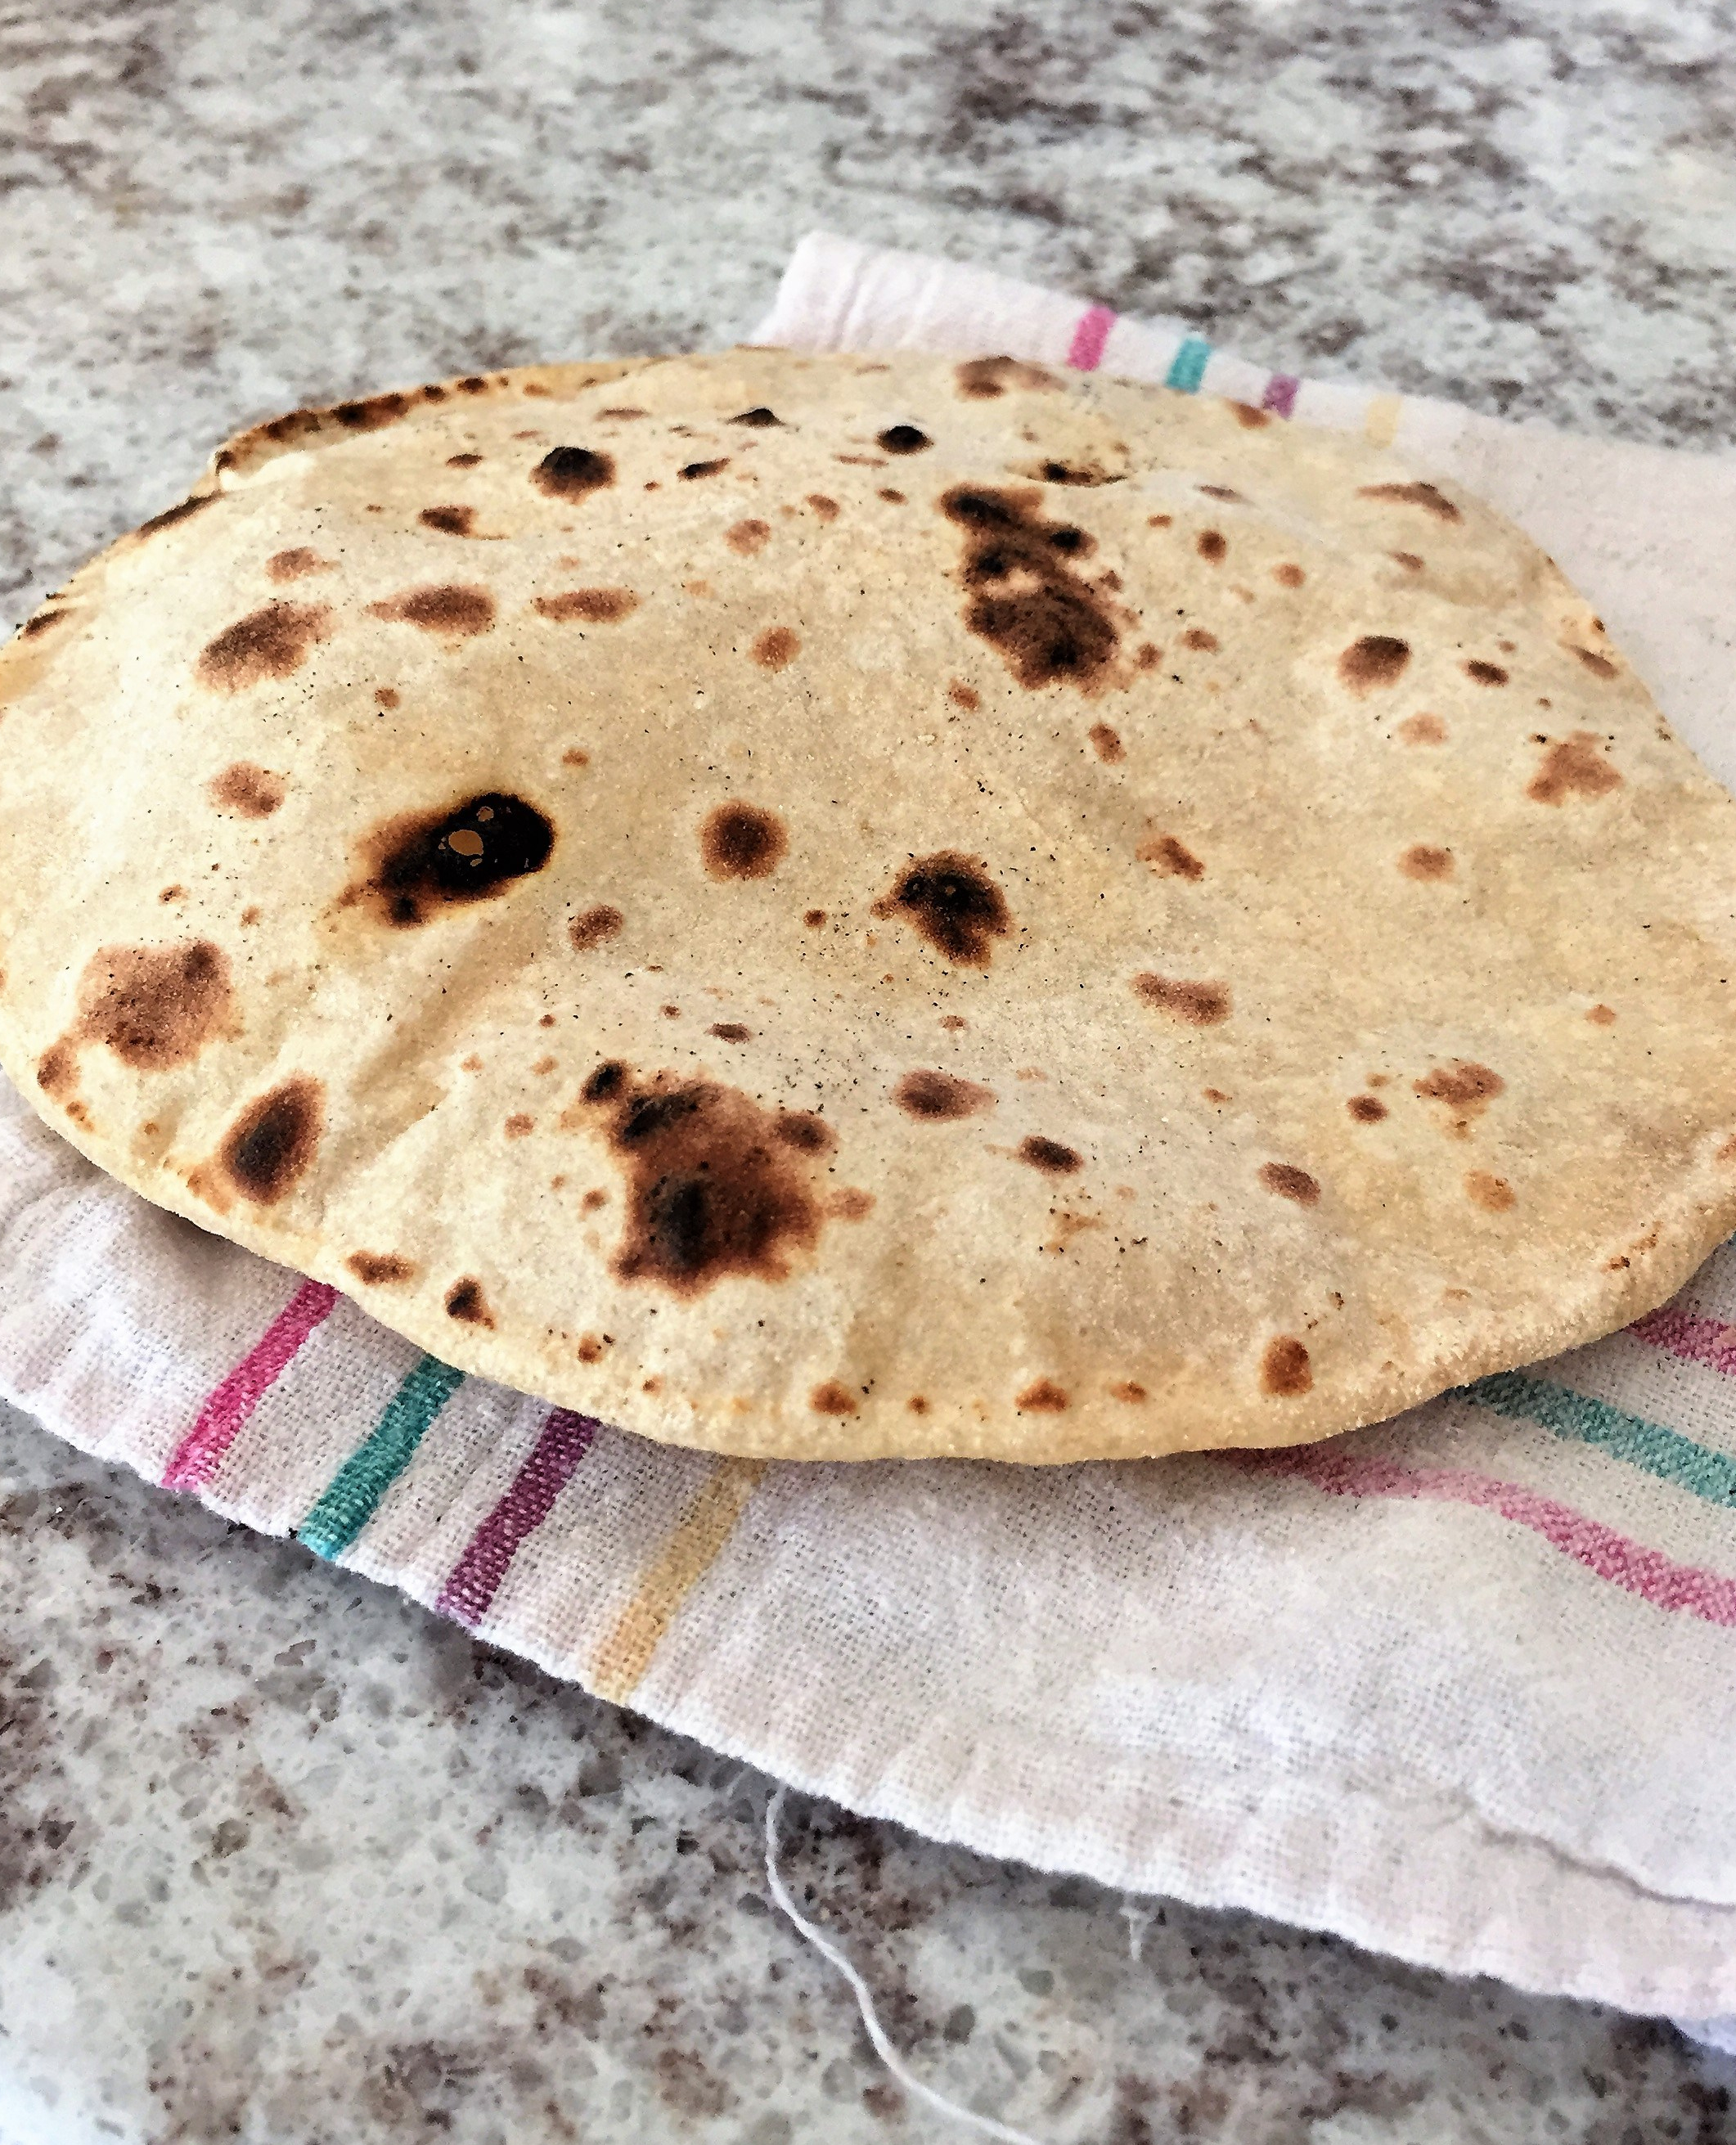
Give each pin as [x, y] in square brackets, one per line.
[283, 1860]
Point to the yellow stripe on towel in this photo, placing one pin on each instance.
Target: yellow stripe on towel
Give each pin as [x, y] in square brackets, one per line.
[1380, 419]
[706, 1525]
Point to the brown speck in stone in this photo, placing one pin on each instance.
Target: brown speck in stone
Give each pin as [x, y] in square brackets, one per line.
[453, 609]
[1422, 862]
[386, 696]
[1285, 1371]
[379, 1269]
[420, 862]
[742, 841]
[1023, 596]
[1409, 561]
[938, 1097]
[952, 902]
[247, 789]
[1170, 859]
[1424, 496]
[891, 498]
[1105, 743]
[1050, 1156]
[1574, 766]
[251, 914]
[832, 1398]
[1289, 576]
[1602, 1016]
[296, 564]
[1465, 1088]
[1200, 640]
[1290, 1183]
[465, 1302]
[462, 461]
[776, 648]
[574, 756]
[272, 642]
[1042, 1396]
[573, 472]
[748, 537]
[964, 696]
[814, 918]
[599, 606]
[730, 1031]
[519, 1126]
[694, 470]
[1377, 660]
[827, 509]
[918, 1403]
[447, 520]
[983, 379]
[1197, 1004]
[715, 1184]
[1493, 1194]
[273, 1143]
[759, 417]
[1600, 666]
[1367, 1109]
[593, 927]
[1210, 545]
[1423, 729]
[1486, 674]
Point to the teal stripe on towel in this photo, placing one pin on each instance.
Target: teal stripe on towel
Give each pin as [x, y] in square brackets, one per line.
[353, 1495]
[1665, 1453]
[1187, 367]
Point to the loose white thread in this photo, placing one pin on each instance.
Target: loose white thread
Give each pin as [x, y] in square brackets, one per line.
[1138, 1920]
[985, 2125]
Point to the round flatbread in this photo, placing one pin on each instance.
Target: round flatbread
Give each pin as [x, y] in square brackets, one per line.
[835, 906]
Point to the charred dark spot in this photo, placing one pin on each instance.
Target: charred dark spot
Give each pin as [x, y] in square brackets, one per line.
[426, 861]
[748, 537]
[827, 509]
[465, 1302]
[273, 1143]
[1210, 545]
[1486, 674]
[1199, 1005]
[694, 469]
[1375, 660]
[1170, 859]
[1050, 1156]
[368, 416]
[941, 1096]
[593, 927]
[1049, 626]
[903, 440]
[1285, 1371]
[449, 520]
[742, 841]
[1424, 496]
[832, 1398]
[982, 379]
[1041, 1397]
[599, 607]
[573, 472]
[1367, 1109]
[380, 1269]
[1423, 863]
[450, 608]
[715, 1184]
[1077, 473]
[954, 904]
[760, 416]
[776, 648]
[41, 623]
[247, 789]
[462, 461]
[271, 642]
[296, 564]
[1107, 743]
[730, 1031]
[154, 1007]
[1290, 1183]
[1600, 666]
[181, 511]
[1071, 542]
[1574, 766]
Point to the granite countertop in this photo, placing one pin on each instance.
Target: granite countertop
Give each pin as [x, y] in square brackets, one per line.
[283, 1859]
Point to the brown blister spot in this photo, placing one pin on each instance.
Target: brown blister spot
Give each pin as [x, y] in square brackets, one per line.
[748, 537]
[1574, 766]
[154, 1007]
[1042, 1396]
[590, 1347]
[832, 1398]
[593, 927]
[1213, 1095]
[420, 863]
[451, 608]
[1486, 674]
[1050, 1156]
[730, 1031]
[40, 623]
[1423, 729]
[1289, 576]
[1423, 863]
[386, 696]
[715, 1184]
[964, 696]
[573, 472]
[599, 607]
[938, 1097]
[742, 841]
[1289, 1182]
[1049, 625]
[57, 1070]
[776, 648]
[462, 461]
[814, 918]
[181, 511]
[694, 470]
[1107, 743]
[1367, 1109]
[247, 789]
[372, 413]
[273, 1143]
[465, 1302]
[891, 498]
[1245, 414]
[1198, 1004]
[759, 417]
[1210, 545]
[1602, 1016]
[826, 508]
[918, 1403]
[519, 1126]
[902, 439]
[624, 414]
[983, 379]
[850, 1204]
[173, 893]
[1285, 1371]
[1465, 1088]
[954, 904]
[595, 1198]
[653, 1385]
[952, 1022]
[252, 913]
[1170, 859]
[1375, 660]
[1424, 496]
[272, 642]
[380, 1269]
[1200, 640]
[449, 520]
[1408, 559]
[1493, 1194]
[1600, 666]
[296, 564]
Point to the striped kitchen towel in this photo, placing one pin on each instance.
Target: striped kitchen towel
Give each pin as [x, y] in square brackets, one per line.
[1461, 1687]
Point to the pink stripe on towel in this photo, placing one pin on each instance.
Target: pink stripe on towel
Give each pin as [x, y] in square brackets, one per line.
[1707, 1340]
[529, 1499]
[1086, 353]
[221, 1419]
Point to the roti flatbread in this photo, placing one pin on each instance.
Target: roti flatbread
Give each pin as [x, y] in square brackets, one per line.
[838, 907]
